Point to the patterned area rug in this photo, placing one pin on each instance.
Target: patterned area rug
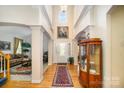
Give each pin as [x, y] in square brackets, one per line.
[21, 77]
[21, 70]
[62, 77]
[61, 63]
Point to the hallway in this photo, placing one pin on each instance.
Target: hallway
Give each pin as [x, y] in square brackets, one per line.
[47, 81]
[34, 39]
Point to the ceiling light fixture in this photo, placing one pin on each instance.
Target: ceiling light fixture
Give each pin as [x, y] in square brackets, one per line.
[64, 8]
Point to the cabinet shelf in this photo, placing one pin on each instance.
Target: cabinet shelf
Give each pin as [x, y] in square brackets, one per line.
[84, 70]
[90, 62]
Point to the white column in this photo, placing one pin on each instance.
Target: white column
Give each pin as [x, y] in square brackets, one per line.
[37, 54]
[50, 52]
[75, 52]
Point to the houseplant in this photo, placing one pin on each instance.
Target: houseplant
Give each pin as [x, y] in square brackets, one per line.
[71, 60]
[26, 47]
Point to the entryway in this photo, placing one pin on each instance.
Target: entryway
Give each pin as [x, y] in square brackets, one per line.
[62, 52]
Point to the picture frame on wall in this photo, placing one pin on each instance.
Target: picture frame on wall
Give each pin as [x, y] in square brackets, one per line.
[5, 45]
[63, 32]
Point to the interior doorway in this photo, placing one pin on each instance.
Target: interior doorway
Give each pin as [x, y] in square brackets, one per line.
[46, 40]
[62, 52]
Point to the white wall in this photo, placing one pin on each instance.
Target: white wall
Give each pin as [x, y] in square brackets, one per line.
[117, 47]
[77, 11]
[97, 16]
[8, 33]
[45, 42]
[101, 31]
[27, 38]
[49, 11]
[56, 10]
[75, 51]
[28, 15]
[37, 54]
[44, 20]
[83, 20]
[10, 38]
[50, 52]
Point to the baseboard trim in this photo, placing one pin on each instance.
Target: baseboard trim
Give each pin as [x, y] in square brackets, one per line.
[106, 83]
[45, 68]
[75, 63]
[37, 81]
[115, 84]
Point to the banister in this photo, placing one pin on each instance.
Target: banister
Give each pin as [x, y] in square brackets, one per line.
[5, 61]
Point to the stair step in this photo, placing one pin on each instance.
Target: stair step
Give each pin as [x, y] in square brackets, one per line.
[2, 81]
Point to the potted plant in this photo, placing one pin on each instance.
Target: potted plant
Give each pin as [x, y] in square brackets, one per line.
[71, 60]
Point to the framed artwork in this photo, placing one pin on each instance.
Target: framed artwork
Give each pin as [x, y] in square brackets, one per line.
[63, 32]
[5, 45]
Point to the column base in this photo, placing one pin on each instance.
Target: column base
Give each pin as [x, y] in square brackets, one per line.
[37, 81]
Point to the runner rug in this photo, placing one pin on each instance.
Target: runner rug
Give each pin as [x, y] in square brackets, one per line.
[62, 77]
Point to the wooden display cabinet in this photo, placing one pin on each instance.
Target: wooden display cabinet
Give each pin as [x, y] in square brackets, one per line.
[90, 63]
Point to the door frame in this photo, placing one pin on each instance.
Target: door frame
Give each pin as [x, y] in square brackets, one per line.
[55, 43]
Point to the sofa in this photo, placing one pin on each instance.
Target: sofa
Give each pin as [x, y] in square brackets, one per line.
[19, 59]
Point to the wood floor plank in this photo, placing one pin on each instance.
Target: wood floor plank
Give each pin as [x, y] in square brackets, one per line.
[47, 81]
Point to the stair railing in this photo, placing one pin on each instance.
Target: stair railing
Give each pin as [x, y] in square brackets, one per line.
[4, 64]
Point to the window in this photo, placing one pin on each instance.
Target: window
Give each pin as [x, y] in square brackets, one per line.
[63, 17]
[19, 49]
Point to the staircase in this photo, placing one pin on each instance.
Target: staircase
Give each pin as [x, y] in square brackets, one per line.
[4, 67]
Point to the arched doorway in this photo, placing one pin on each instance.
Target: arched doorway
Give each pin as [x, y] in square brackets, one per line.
[18, 38]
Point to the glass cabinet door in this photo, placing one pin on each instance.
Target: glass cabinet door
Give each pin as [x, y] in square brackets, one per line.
[94, 59]
[83, 58]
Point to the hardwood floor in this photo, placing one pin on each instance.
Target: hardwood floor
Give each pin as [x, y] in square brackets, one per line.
[47, 81]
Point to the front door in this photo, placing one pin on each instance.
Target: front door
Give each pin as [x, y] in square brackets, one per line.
[62, 52]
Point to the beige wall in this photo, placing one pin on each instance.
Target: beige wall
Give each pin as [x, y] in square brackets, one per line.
[117, 30]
